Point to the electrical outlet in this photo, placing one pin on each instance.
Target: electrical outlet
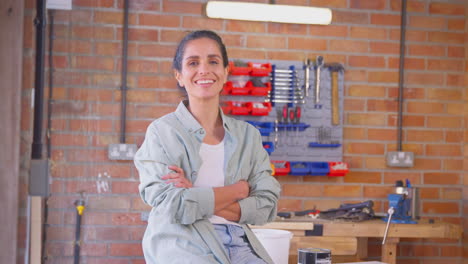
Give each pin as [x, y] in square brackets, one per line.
[400, 159]
[121, 151]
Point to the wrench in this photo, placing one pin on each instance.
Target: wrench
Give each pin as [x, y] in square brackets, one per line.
[319, 64]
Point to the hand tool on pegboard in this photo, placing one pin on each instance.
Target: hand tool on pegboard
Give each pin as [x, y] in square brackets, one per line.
[335, 69]
[306, 77]
[318, 66]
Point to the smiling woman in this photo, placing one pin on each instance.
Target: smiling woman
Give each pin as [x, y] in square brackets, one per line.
[206, 175]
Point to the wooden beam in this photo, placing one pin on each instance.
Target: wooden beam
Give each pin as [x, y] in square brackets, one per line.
[11, 54]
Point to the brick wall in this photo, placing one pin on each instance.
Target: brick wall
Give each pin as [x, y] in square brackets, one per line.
[364, 36]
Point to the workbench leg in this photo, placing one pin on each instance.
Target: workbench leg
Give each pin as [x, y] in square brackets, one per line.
[362, 246]
[389, 250]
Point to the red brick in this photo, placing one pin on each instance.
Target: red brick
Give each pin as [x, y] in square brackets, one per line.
[306, 43]
[454, 137]
[442, 178]
[456, 24]
[385, 19]
[440, 208]
[382, 134]
[408, 120]
[202, 22]
[91, 125]
[86, 94]
[429, 193]
[445, 65]
[281, 55]
[141, 5]
[75, 16]
[258, 54]
[447, 9]
[382, 105]
[446, 37]
[375, 163]
[354, 104]
[120, 171]
[383, 76]
[347, 17]
[108, 48]
[425, 107]
[366, 119]
[410, 63]
[72, 46]
[452, 164]
[176, 36]
[108, 17]
[94, 3]
[88, 32]
[416, 78]
[455, 80]
[444, 122]
[126, 249]
[427, 164]
[443, 150]
[245, 26]
[302, 190]
[328, 31]
[356, 75]
[385, 47]
[235, 40]
[93, 63]
[377, 191]
[363, 177]
[166, 81]
[156, 50]
[107, 233]
[451, 251]
[290, 29]
[127, 219]
[108, 203]
[159, 20]
[365, 148]
[125, 187]
[452, 193]
[368, 33]
[136, 126]
[329, 4]
[182, 7]
[266, 42]
[69, 140]
[348, 45]
[368, 4]
[367, 61]
[354, 133]
[456, 52]
[355, 162]
[411, 35]
[412, 6]
[426, 50]
[424, 135]
[60, 233]
[427, 22]
[342, 191]
[392, 177]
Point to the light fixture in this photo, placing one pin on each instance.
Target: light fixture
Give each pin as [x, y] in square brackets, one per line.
[268, 12]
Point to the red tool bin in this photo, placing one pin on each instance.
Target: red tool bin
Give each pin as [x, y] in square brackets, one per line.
[259, 109]
[238, 90]
[338, 168]
[259, 91]
[236, 70]
[282, 167]
[240, 108]
[259, 69]
[227, 88]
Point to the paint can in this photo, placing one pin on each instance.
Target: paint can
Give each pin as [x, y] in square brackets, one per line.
[313, 256]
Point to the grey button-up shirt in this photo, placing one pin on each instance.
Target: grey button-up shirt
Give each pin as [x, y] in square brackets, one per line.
[178, 229]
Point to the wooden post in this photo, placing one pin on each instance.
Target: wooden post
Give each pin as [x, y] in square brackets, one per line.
[389, 250]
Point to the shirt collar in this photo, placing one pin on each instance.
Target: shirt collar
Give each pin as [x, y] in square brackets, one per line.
[190, 123]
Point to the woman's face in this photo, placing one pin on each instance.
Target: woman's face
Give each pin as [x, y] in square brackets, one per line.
[203, 74]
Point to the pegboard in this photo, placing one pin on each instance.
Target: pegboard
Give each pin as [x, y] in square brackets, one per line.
[315, 138]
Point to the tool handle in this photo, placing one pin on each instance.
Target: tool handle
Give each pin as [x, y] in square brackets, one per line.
[298, 114]
[335, 100]
[285, 114]
[292, 116]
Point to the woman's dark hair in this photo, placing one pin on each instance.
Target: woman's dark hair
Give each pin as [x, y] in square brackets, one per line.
[179, 55]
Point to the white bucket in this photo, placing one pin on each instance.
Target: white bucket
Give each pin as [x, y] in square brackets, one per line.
[276, 242]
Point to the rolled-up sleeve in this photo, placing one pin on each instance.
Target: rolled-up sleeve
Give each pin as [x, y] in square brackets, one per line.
[183, 205]
[261, 206]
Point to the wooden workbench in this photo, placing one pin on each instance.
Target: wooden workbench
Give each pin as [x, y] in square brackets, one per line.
[350, 238]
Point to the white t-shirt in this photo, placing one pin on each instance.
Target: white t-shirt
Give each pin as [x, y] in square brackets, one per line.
[211, 172]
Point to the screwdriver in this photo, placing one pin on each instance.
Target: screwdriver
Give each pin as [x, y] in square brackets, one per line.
[285, 119]
[297, 120]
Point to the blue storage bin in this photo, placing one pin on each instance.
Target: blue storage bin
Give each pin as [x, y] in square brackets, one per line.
[319, 168]
[299, 168]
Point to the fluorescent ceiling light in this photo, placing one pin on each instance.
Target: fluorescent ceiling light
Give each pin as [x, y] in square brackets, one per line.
[268, 12]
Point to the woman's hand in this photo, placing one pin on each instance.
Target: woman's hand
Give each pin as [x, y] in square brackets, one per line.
[178, 178]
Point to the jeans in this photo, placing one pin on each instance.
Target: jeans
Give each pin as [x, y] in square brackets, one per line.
[236, 244]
